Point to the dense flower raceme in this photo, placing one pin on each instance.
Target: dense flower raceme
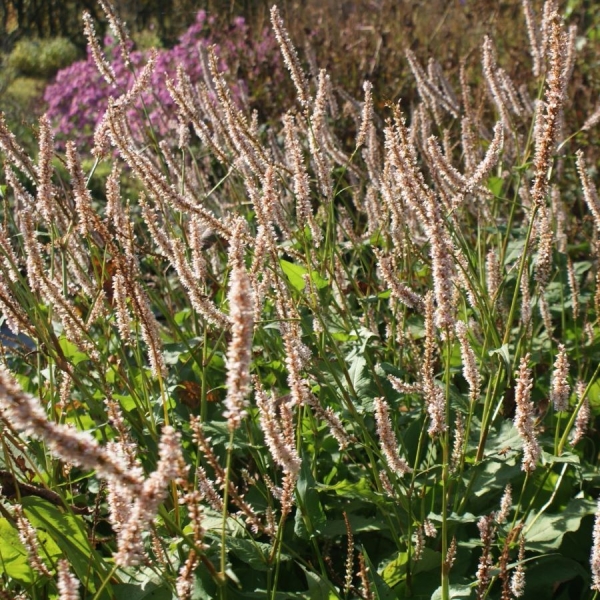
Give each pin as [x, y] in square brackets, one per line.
[78, 98]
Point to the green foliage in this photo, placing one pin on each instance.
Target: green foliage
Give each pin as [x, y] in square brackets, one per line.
[42, 58]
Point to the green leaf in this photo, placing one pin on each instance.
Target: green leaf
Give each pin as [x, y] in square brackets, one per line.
[126, 401]
[544, 578]
[295, 274]
[357, 374]
[456, 591]
[71, 351]
[172, 352]
[361, 380]
[182, 315]
[495, 185]
[566, 457]
[145, 591]
[395, 570]
[14, 561]
[504, 355]
[310, 516]
[545, 532]
[319, 588]
[335, 528]
[69, 532]
[355, 490]
[255, 554]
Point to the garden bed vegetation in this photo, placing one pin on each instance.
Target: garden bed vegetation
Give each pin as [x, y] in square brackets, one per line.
[267, 336]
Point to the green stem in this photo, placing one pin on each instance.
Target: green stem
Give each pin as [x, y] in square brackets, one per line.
[446, 476]
[565, 435]
[225, 512]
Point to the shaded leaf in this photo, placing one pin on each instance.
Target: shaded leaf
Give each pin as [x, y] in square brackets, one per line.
[255, 554]
[310, 516]
[545, 532]
[146, 591]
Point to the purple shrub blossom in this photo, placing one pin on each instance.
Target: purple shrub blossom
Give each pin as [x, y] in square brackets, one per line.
[78, 97]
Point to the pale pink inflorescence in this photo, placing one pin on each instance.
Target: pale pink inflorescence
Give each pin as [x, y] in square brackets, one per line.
[153, 492]
[584, 414]
[277, 423]
[524, 417]
[290, 57]
[517, 580]
[387, 439]
[458, 443]
[554, 99]
[239, 353]
[429, 528]
[470, 370]
[367, 114]
[435, 399]
[487, 533]
[68, 586]
[560, 389]
[505, 505]
[102, 64]
[29, 539]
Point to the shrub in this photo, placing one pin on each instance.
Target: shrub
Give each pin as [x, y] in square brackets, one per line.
[42, 58]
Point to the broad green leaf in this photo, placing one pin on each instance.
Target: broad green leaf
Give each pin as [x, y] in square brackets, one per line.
[335, 528]
[69, 532]
[395, 570]
[455, 518]
[495, 185]
[544, 578]
[545, 532]
[594, 396]
[126, 401]
[319, 588]
[565, 457]
[143, 591]
[360, 382]
[182, 315]
[494, 474]
[356, 490]
[71, 351]
[172, 352]
[14, 561]
[456, 591]
[255, 554]
[295, 274]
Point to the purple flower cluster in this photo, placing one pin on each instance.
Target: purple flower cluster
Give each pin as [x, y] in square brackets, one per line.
[78, 97]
